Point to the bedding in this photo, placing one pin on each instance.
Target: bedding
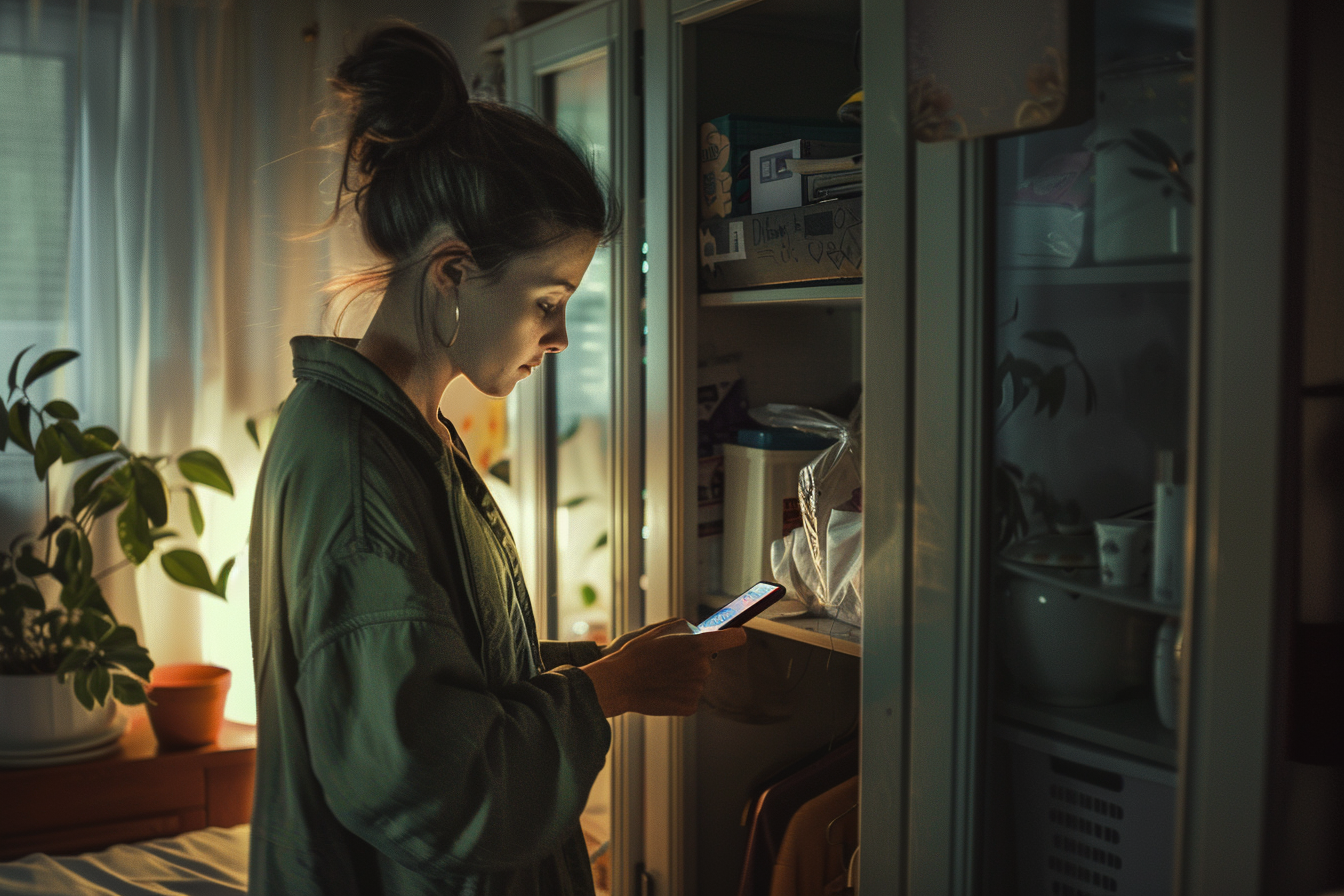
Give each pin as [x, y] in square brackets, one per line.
[208, 862]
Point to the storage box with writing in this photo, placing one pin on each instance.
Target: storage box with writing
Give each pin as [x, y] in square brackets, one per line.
[797, 245]
[774, 185]
[726, 143]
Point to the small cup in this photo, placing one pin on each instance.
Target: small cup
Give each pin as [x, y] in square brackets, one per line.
[1124, 552]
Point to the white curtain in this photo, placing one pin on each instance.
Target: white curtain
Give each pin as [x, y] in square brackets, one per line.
[191, 169]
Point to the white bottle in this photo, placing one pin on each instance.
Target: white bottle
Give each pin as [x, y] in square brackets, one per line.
[1168, 531]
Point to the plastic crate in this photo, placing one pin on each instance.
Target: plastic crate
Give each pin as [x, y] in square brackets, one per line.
[1086, 821]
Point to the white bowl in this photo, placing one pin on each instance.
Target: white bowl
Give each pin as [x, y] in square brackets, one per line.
[1067, 649]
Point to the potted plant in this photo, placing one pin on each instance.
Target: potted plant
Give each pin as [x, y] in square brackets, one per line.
[59, 639]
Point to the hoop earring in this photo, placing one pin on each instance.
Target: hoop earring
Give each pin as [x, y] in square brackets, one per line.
[457, 321]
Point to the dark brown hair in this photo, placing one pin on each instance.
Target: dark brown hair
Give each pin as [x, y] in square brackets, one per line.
[420, 153]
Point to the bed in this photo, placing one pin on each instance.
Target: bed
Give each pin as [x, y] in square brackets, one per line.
[208, 862]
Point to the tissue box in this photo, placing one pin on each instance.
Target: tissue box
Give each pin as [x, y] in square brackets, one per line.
[797, 245]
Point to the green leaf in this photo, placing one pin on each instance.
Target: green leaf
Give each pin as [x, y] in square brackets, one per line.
[84, 489]
[574, 502]
[74, 554]
[52, 525]
[197, 518]
[601, 541]
[82, 689]
[127, 691]
[150, 492]
[25, 596]
[203, 468]
[100, 683]
[134, 659]
[133, 532]
[113, 491]
[118, 637]
[251, 426]
[29, 565]
[47, 363]
[222, 584]
[100, 440]
[73, 661]
[19, 416]
[4, 429]
[47, 451]
[14, 369]
[72, 441]
[1052, 388]
[1053, 339]
[188, 568]
[61, 410]
[589, 595]
[160, 533]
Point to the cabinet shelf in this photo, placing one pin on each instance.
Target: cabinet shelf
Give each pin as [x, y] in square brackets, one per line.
[1086, 581]
[831, 634]
[1129, 725]
[1097, 275]
[846, 293]
[819, 631]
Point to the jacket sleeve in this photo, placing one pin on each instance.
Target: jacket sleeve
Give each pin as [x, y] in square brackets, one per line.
[416, 755]
[569, 653]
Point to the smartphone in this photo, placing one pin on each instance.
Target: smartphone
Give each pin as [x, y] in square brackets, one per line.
[744, 607]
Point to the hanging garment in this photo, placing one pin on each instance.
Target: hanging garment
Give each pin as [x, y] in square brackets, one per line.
[817, 844]
[775, 808]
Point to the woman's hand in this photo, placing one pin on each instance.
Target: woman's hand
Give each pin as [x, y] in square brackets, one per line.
[659, 670]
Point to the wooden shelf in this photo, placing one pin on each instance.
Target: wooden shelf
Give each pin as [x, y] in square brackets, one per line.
[848, 293]
[819, 631]
[1097, 275]
[1129, 725]
[831, 634]
[139, 792]
[1086, 581]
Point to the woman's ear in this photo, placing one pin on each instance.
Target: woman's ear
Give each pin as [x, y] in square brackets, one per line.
[449, 264]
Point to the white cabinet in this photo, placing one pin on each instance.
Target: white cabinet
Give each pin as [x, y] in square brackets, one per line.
[939, 723]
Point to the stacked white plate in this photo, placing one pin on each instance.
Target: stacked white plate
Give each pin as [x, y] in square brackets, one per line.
[82, 749]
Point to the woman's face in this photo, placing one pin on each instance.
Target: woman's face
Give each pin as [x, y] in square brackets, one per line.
[509, 322]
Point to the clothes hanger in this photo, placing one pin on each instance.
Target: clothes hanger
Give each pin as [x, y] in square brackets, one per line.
[832, 822]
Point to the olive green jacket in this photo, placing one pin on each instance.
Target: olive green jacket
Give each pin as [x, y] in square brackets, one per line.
[414, 737]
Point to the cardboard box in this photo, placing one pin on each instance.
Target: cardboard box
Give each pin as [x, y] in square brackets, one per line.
[773, 185]
[797, 245]
[726, 143]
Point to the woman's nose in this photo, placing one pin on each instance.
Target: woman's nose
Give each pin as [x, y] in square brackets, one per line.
[557, 339]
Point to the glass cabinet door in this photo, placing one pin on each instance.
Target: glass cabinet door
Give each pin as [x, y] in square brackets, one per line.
[1088, 322]
[575, 430]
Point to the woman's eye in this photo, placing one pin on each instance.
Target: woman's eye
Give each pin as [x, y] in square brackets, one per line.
[546, 307]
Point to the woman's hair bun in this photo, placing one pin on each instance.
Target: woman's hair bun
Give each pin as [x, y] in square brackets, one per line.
[402, 86]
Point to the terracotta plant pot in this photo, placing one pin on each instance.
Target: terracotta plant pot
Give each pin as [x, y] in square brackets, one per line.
[187, 703]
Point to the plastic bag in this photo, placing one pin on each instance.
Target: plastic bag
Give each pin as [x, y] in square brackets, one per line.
[821, 562]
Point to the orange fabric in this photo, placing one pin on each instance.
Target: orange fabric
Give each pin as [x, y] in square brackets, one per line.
[817, 844]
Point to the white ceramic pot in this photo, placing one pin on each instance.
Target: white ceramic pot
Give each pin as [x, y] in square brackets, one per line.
[38, 712]
[1067, 649]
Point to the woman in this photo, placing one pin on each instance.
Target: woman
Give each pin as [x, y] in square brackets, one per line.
[414, 735]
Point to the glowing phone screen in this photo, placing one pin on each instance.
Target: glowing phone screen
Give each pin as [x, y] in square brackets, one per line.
[746, 599]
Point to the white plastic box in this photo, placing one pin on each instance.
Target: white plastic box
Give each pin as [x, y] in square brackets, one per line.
[760, 504]
[1086, 821]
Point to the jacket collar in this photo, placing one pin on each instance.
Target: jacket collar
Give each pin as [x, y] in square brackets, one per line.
[334, 361]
